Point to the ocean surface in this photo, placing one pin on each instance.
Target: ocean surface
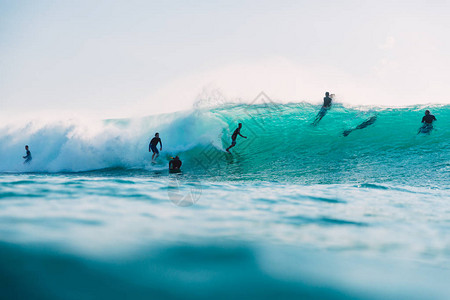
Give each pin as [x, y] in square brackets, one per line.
[295, 212]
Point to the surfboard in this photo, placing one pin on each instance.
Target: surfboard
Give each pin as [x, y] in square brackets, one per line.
[426, 129]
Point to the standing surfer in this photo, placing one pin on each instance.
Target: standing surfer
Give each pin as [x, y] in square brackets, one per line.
[234, 136]
[28, 156]
[152, 146]
[325, 107]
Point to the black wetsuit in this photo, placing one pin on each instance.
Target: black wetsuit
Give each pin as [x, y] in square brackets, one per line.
[428, 119]
[27, 157]
[327, 102]
[364, 124]
[235, 134]
[323, 111]
[175, 164]
[367, 122]
[155, 141]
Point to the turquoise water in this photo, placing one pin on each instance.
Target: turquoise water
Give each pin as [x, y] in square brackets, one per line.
[296, 211]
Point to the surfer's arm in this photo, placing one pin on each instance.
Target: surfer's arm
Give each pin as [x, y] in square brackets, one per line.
[160, 145]
[242, 135]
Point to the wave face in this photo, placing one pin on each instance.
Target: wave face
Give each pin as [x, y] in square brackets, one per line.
[282, 144]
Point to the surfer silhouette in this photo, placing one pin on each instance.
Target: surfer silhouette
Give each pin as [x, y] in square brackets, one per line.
[152, 146]
[175, 164]
[325, 107]
[28, 156]
[427, 122]
[364, 124]
[234, 136]
[428, 118]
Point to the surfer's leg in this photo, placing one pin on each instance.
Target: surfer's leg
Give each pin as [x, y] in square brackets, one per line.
[233, 143]
[317, 118]
[154, 150]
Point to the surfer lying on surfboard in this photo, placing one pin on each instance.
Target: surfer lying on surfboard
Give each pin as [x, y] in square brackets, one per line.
[427, 121]
[364, 124]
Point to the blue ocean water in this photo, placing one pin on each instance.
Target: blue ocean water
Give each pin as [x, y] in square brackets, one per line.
[296, 211]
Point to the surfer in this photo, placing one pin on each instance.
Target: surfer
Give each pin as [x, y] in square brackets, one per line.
[234, 136]
[364, 124]
[152, 146]
[325, 107]
[428, 118]
[28, 156]
[175, 164]
[427, 122]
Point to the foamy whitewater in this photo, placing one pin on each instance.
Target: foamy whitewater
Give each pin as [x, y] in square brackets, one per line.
[296, 211]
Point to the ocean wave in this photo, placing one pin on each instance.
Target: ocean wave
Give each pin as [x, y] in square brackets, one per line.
[282, 144]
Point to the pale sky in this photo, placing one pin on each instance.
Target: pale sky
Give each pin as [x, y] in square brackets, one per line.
[122, 58]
